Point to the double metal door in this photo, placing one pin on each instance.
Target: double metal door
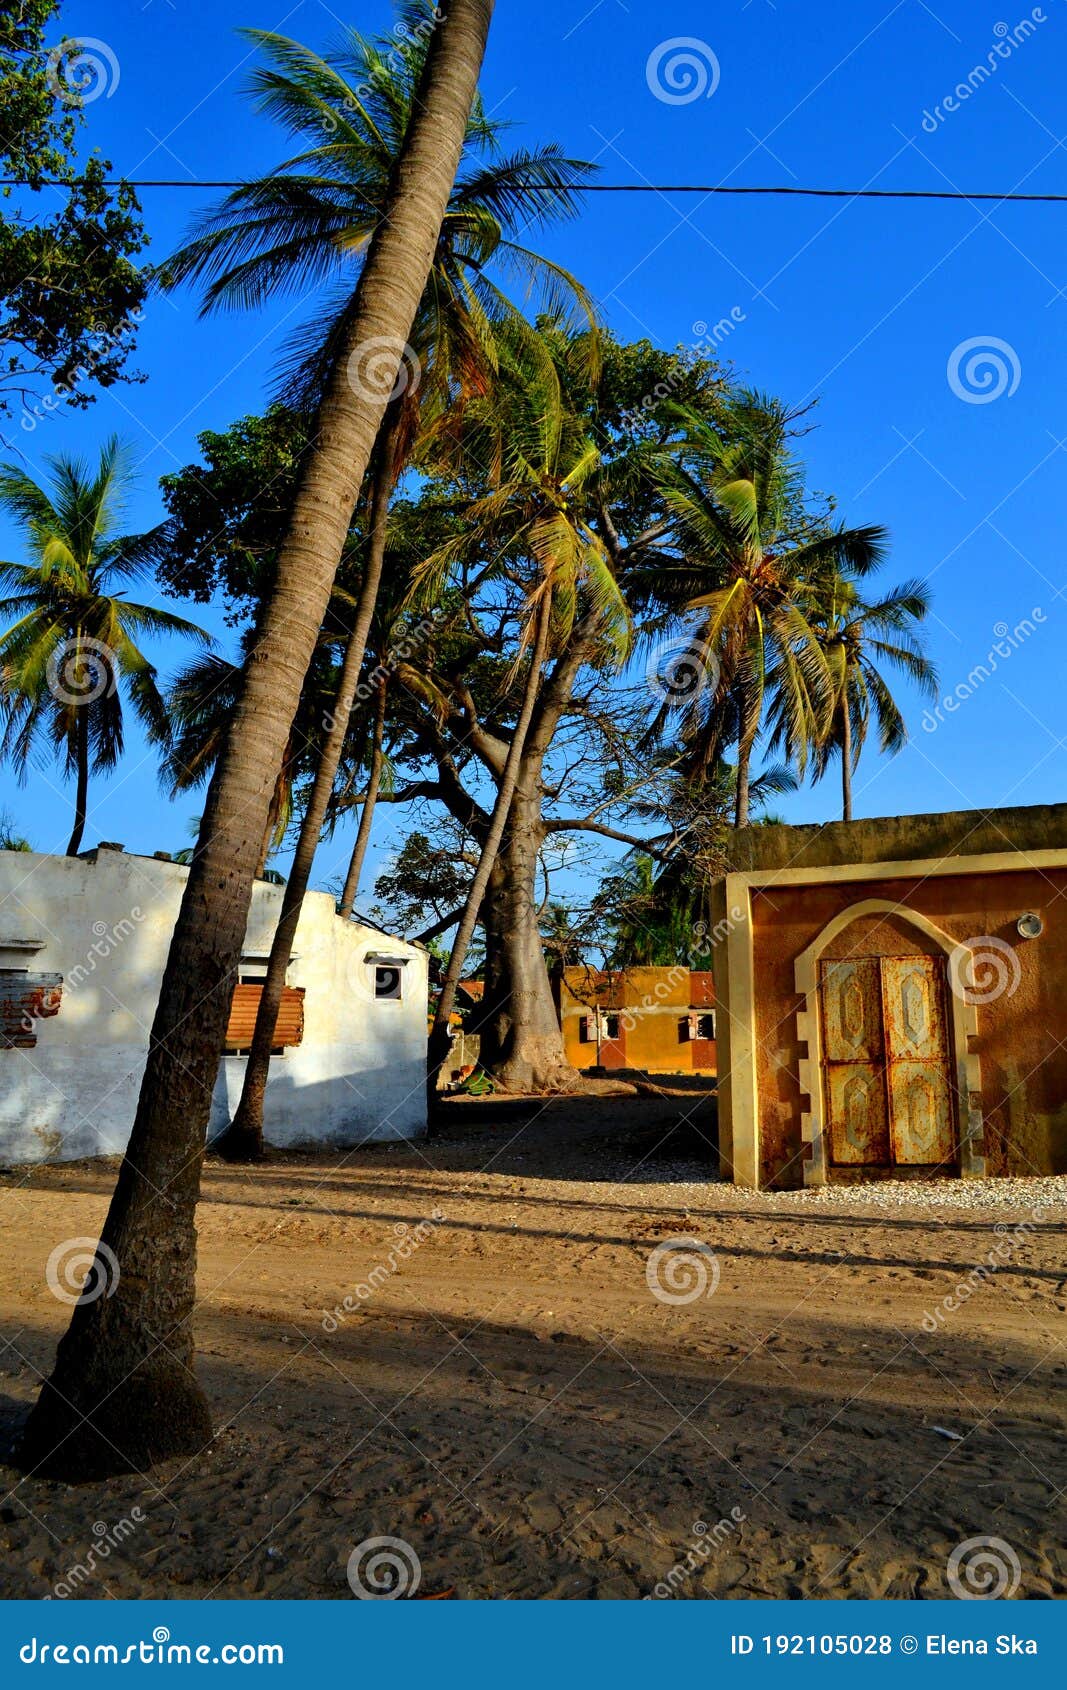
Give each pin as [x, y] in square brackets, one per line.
[886, 1068]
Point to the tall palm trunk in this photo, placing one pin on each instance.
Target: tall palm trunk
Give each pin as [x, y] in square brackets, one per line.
[750, 716]
[846, 763]
[123, 1394]
[81, 794]
[243, 1139]
[439, 1033]
[366, 818]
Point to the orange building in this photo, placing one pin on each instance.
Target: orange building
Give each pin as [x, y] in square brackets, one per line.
[660, 1020]
[894, 998]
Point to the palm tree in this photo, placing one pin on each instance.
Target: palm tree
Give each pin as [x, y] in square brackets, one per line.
[736, 493]
[73, 647]
[309, 222]
[857, 636]
[123, 1393]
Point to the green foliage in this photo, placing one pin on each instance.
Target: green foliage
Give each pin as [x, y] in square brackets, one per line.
[70, 292]
[309, 223]
[423, 883]
[73, 645]
[227, 515]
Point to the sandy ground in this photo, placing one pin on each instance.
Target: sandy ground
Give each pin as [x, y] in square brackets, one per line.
[510, 1398]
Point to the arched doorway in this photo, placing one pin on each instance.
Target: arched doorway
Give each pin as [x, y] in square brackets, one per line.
[891, 1080]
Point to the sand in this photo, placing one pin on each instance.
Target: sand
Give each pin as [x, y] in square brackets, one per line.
[506, 1395]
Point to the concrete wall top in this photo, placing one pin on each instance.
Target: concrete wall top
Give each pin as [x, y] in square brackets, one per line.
[881, 839]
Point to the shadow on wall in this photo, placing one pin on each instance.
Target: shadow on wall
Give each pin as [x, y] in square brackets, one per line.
[48, 1117]
[386, 1102]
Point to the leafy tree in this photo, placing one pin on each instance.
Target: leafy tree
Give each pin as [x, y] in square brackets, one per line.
[538, 520]
[423, 887]
[10, 837]
[227, 515]
[70, 291]
[75, 635]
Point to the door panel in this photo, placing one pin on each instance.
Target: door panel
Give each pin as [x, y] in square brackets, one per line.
[914, 1017]
[859, 1122]
[852, 1010]
[921, 1111]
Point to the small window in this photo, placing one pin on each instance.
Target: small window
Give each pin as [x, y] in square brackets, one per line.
[611, 1026]
[388, 981]
[706, 1025]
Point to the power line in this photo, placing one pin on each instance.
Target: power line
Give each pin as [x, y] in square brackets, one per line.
[631, 188]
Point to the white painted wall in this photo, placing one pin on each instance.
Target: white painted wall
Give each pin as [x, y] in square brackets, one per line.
[105, 926]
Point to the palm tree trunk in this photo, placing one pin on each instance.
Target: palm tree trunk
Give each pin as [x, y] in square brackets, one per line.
[243, 1139]
[81, 795]
[374, 781]
[750, 716]
[123, 1394]
[439, 1033]
[846, 763]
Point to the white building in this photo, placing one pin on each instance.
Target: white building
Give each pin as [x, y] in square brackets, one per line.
[83, 943]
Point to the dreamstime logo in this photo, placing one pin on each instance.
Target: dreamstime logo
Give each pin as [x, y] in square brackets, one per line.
[384, 368]
[383, 1569]
[704, 1540]
[681, 1270]
[677, 673]
[1007, 642]
[80, 1270]
[79, 71]
[997, 1256]
[709, 337]
[369, 684]
[81, 670]
[106, 1538]
[682, 70]
[985, 968]
[407, 1239]
[982, 369]
[103, 349]
[1005, 43]
[983, 1569]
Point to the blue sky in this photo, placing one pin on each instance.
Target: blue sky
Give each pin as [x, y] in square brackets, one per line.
[864, 305]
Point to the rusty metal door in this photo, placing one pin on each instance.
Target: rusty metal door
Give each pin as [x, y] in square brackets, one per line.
[920, 1096]
[885, 1059]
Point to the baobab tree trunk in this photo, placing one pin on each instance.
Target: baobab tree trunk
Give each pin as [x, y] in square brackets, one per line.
[243, 1139]
[440, 1039]
[366, 816]
[521, 1041]
[123, 1394]
[81, 792]
[846, 764]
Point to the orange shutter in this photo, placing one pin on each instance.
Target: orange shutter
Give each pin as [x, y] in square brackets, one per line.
[243, 1010]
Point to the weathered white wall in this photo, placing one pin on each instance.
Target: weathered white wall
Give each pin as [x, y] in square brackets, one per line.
[105, 926]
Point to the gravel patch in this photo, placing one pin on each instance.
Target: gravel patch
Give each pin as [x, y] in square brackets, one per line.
[1022, 1196]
